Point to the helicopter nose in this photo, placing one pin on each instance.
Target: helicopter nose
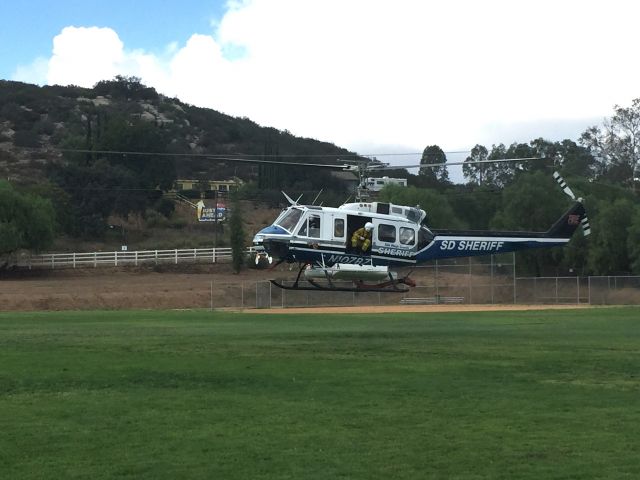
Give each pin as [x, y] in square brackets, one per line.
[276, 248]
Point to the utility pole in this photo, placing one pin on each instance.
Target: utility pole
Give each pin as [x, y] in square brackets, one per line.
[122, 233]
[215, 214]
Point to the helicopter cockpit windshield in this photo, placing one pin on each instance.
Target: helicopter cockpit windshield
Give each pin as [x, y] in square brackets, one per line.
[289, 219]
[425, 237]
[414, 214]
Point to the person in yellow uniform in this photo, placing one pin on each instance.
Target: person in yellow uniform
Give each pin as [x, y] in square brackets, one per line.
[361, 238]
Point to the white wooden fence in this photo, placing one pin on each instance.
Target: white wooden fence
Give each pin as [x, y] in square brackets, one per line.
[115, 259]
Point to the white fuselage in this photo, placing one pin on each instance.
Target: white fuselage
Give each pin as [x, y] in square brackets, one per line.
[322, 236]
[324, 233]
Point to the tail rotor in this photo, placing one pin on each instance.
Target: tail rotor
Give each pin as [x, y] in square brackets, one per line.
[564, 186]
[584, 221]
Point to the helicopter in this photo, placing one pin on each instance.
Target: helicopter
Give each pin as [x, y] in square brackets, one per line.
[319, 239]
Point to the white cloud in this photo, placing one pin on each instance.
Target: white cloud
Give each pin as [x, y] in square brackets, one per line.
[35, 72]
[85, 55]
[372, 72]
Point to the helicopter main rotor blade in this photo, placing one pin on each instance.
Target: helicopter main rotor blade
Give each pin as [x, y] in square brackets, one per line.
[446, 164]
[221, 158]
[355, 167]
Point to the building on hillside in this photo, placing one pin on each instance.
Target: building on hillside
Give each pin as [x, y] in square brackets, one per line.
[221, 187]
[374, 184]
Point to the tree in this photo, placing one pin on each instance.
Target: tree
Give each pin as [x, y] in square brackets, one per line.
[567, 156]
[440, 214]
[96, 191]
[121, 134]
[575, 255]
[499, 174]
[475, 205]
[633, 242]
[123, 87]
[101, 184]
[475, 173]
[434, 177]
[26, 221]
[616, 145]
[532, 203]
[609, 252]
[236, 234]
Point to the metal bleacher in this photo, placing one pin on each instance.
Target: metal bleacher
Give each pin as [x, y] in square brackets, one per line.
[431, 300]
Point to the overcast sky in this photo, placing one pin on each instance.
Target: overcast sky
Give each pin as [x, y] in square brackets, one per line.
[370, 75]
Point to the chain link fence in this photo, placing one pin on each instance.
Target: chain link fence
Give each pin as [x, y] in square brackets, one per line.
[489, 280]
[550, 290]
[522, 291]
[618, 290]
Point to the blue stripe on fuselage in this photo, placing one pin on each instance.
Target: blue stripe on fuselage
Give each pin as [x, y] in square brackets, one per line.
[331, 257]
[468, 247]
[440, 248]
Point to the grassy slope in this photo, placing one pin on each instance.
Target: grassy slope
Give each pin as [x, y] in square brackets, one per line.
[201, 395]
[182, 230]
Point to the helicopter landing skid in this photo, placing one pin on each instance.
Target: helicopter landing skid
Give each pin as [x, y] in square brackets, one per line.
[390, 286]
[315, 287]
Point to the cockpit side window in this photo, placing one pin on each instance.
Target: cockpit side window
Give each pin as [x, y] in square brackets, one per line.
[407, 236]
[290, 219]
[387, 233]
[413, 214]
[424, 237]
[314, 226]
[310, 227]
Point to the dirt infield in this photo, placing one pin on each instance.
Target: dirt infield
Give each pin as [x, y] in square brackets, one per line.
[163, 287]
[415, 309]
[192, 287]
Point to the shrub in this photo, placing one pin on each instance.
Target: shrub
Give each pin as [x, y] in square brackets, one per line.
[26, 138]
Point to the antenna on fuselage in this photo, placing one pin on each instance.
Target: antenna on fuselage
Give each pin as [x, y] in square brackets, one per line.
[314, 200]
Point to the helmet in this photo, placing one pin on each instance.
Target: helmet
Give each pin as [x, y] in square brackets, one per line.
[368, 226]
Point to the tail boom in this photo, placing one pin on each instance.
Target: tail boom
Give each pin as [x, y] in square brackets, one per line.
[451, 243]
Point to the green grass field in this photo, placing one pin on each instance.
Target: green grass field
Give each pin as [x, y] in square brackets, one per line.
[539, 394]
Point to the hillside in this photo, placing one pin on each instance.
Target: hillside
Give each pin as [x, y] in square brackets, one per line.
[37, 122]
[76, 178]
[54, 142]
